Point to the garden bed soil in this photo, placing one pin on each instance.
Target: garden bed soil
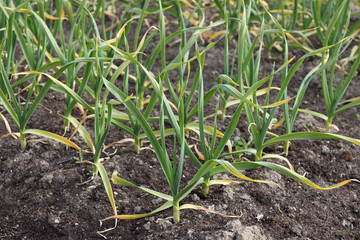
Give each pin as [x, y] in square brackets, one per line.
[41, 198]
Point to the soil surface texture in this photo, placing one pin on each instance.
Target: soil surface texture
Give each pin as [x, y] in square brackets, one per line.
[41, 196]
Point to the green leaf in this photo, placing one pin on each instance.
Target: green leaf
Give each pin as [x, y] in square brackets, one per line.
[313, 113]
[309, 135]
[137, 216]
[107, 185]
[160, 152]
[83, 132]
[281, 169]
[52, 136]
[123, 182]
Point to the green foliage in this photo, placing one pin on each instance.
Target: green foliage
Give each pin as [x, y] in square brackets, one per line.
[130, 85]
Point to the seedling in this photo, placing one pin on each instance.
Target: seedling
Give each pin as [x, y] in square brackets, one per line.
[95, 69]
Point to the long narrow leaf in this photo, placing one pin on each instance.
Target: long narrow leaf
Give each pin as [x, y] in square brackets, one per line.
[281, 169]
[123, 182]
[52, 136]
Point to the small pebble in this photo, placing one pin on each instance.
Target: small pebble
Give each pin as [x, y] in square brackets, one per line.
[346, 223]
[259, 217]
[147, 226]
[347, 155]
[297, 229]
[137, 209]
[325, 149]
[195, 197]
[165, 224]
[245, 196]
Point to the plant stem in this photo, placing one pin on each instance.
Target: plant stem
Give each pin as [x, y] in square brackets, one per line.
[95, 170]
[66, 124]
[187, 133]
[223, 112]
[328, 124]
[22, 141]
[141, 100]
[206, 186]
[286, 147]
[36, 90]
[136, 144]
[258, 154]
[176, 211]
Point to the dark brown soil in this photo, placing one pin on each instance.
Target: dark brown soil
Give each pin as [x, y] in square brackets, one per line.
[40, 199]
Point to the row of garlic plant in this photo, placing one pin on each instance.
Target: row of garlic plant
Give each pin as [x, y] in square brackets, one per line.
[103, 59]
[210, 149]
